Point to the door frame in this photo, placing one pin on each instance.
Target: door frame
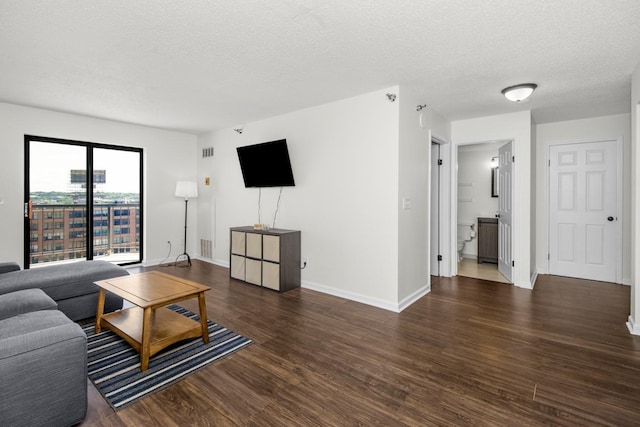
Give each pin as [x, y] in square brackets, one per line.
[454, 200]
[90, 146]
[443, 208]
[619, 205]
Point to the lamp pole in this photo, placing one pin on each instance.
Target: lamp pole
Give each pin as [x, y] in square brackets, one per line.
[186, 201]
[186, 189]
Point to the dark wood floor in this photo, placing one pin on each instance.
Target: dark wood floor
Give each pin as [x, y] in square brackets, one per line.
[471, 352]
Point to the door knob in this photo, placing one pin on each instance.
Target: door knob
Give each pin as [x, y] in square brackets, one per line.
[610, 218]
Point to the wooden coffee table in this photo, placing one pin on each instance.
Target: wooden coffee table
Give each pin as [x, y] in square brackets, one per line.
[150, 326]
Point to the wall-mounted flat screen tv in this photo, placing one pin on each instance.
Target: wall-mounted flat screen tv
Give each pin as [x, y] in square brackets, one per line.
[266, 164]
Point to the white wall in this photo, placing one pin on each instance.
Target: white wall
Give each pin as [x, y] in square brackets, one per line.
[474, 188]
[413, 241]
[593, 129]
[168, 157]
[345, 161]
[517, 127]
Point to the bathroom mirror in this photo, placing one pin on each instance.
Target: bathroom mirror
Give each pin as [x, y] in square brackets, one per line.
[494, 177]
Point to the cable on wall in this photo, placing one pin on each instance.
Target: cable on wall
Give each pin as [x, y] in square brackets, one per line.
[275, 214]
[259, 202]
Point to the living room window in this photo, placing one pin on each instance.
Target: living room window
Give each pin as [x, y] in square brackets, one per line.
[66, 180]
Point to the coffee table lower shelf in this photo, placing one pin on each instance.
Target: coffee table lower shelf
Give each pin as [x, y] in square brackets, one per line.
[166, 327]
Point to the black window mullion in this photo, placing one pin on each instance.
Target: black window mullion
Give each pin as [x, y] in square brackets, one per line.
[89, 202]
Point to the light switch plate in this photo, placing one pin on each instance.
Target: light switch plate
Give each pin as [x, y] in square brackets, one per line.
[1, 200]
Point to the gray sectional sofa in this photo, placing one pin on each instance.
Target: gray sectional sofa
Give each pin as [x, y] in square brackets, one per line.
[71, 285]
[43, 362]
[43, 353]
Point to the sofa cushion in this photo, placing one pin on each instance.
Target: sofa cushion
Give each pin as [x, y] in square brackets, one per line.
[43, 366]
[63, 280]
[25, 301]
[22, 325]
[6, 267]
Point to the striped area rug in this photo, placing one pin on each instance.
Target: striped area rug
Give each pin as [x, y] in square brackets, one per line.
[114, 366]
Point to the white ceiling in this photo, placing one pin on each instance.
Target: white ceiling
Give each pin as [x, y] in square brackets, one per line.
[197, 65]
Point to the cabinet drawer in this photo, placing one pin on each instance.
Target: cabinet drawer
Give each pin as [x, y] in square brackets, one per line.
[254, 245]
[237, 267]
[271, 275]
[253, 271]
[271, 248]
[237, 242]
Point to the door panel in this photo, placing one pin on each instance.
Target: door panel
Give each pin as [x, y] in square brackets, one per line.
[505, 197]
[57, 225]
[116, 205]
[583, 194]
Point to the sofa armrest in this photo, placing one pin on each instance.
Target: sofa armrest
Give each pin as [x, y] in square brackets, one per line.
[6, 267]
[44, 377]
[25, 301]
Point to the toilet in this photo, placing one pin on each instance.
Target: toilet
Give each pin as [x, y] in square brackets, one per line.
[466, 233]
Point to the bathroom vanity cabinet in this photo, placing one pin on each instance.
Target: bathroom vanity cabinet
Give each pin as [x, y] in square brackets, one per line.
[488, 240]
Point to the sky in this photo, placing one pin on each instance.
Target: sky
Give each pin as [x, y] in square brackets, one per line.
[50, 166]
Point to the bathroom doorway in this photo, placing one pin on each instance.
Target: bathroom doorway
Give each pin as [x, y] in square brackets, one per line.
[478, 210]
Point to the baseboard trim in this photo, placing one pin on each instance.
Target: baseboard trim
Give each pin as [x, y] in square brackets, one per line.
[352, 296]
[219, 262]
[533, 279]
[634, 329]
[150, 262]
[524, 285]
[406, 302]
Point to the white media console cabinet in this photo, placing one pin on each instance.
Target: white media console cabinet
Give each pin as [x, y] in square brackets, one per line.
[268, 258]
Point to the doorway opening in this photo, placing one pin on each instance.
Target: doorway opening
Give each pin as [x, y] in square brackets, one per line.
[83, 201]
[483, 219]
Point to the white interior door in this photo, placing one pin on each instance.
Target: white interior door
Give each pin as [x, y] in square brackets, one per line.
[505, 209]
[583, 210]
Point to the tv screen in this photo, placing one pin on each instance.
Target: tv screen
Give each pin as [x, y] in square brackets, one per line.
[266, 164]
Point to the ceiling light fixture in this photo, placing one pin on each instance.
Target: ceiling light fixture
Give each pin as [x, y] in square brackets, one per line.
[519, 93]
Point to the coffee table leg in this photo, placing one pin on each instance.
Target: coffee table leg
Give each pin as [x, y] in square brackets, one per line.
[203, 318]
[146, 338]
[99, 310]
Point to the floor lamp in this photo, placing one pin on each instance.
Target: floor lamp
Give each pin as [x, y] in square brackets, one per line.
[186, 189]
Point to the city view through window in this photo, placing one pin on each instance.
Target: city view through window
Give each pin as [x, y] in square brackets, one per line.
[60, 226]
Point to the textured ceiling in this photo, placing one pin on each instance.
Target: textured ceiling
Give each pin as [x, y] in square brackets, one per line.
[200, 65]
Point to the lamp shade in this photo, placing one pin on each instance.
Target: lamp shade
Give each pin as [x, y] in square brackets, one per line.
[186, 189]
[519, 93]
